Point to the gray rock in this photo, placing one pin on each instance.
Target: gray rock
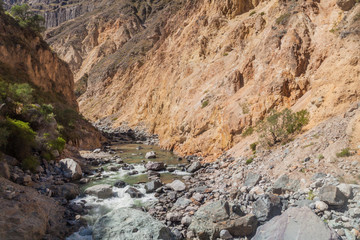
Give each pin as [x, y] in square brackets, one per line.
[186, 221]
[68, 191]
[321, 206]
[267, 207]
[127, 223]
[182, 202]
[177, 185]
[296, 223]
[252, 179]
[134, 193]
[150, 155]
[345, 5]
[101, 191]
[155, 166]
[284, 183]
[150, 187]
[346, 189]
[225, 234]
[332, 196]
[174, 216]
[4, 170]
[194, 167]
[71, 168]
[120, 184]
[240, 227]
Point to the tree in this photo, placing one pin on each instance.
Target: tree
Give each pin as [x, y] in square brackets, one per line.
[1, 5]
[26, 18]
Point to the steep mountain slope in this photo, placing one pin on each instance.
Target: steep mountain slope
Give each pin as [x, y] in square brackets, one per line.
[199, 72]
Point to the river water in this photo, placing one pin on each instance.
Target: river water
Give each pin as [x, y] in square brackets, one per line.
[133, 154]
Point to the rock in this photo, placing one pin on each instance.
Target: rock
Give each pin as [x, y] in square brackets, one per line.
[177, 185]
[284, 183]
[252, 179]
[134, 193]
[257, 190]
[225, 234]
[346, 189]
[332, 196]
[321, 206]
[127, 223]
[182, 202]
[26, 180]
[267, 207]
[120, 184]
[98, 150]
[198, 197]
[186, 221]
[296, 223]
[4, 169]
[150, 155]
[150, 187]
[71, 169]
[345, 5]
[174, 216]
[68, 191]
[240, 227]
[155, 166]
[194, 167]
[101, 191]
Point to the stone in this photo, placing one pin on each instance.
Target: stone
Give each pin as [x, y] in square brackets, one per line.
[257, 190]
[150, 187]
[177, 185]
[240, 227]
[332, 196]
[4, 169]
[68, 191]
[267, 207]
[296, 223]
[174, 216]
[321, 206]
[252, 179]
[186, 221]
[120, 184]
[71, 169]
[155, 166]
[182, 202]
[127, 223]
[198, 197]
[101, 191]
[346, 5]
[26, 180]
[346, 189]
[150, 155]
[225, 234]
[284, 183]
[98, 150]
[134, 193]
[194, 167]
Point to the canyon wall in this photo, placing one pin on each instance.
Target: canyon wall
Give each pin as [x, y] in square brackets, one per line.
[200, 72]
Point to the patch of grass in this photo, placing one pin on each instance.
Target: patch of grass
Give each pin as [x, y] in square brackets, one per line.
[250, 160]
[321, 157]
[252, 13]
[311, 195]
[205, 103]
[245, 108]
[309, 145]
[253, 147]
[225, 54]
[357, 17]
[262, 14]
[344, 153]
[248, 131]
[30, 163]
[283, 19]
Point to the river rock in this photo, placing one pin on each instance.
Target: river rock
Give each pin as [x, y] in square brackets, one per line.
[68, 191]
[267, 207]
[332, 196]
[150, 155]
[155, 166]
[101, 191]
[71, 168]
[134, 193]
[177, 185]
[127, 223]
[150, 187]
[120, 184]
[194, 167]
[296, 223]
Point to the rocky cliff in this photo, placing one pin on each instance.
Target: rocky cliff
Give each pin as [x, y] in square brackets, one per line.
[199, 72]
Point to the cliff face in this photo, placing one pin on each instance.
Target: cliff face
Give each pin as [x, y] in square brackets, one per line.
[199, 72]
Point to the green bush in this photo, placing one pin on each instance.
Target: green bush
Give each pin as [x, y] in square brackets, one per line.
[283, 19]
[279, 126]
[250, 160]
[205, 103]
[344, 153]
[57, 144]
[253, 146]
[30, 163]
[26, 18]
[248, 131]
[21, 139]
[4, 134]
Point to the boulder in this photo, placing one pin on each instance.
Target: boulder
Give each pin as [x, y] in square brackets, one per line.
[225, 234]
[284, 184]
[177, 185]
[101, 191]
[120, 184]
[296, 223]
[332, 196]
[68, 191]
[182, 202]
[150, 187]
[194, 167]
[252, 179]
[71, 169]
[346, 5]
[134, 193]
[155, 166]
[4, 170]
[267, 207]
[321, 206]
[150, 155]
[127, 223]
[240, 227]
[346, 189]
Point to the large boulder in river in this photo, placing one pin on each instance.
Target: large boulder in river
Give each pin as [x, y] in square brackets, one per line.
[296, 223]
[101, 191]
[155, 166]
[150, 155]
[71, 169]
[150, 187]
[127, 223]
[134, 193]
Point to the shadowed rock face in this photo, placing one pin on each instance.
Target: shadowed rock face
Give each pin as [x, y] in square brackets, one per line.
[197, 73]
[296, 223]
